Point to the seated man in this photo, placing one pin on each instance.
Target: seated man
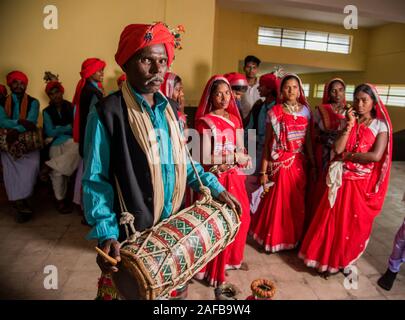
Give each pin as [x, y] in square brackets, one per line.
[118, 150]
[63, 152]
[19, 113]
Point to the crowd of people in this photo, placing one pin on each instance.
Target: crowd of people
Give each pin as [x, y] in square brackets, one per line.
[322, 173]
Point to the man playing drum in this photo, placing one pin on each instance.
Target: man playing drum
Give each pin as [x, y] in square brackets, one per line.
[118, 149]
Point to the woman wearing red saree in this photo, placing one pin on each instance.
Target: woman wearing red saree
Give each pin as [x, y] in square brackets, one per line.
[357, 183]
[218, 118]
[328, 118]
[278, 223]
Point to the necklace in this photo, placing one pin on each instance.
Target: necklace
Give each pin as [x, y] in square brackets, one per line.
[292, 109]
[365, 123]
[338, 108]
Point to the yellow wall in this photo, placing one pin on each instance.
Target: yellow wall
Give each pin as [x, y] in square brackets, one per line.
[386, 54]
[236, 37]
[386, 63]
[216, 39]
[91, 28]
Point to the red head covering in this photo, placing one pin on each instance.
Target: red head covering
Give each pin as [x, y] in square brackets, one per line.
[236, 79]
[89, 67]
[54, 84]
[326, 89]
[138, 36]
[205, 105]
[16, 75]
[270, 81]
[121, 79]
[3, 90]
[167, 86]
[301, 98]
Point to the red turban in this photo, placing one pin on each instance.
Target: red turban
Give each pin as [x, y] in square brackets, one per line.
[236, 79]
[270, 81]
[138, 36]
[54, 84]
[3, 90]
[121, 79]
[89, 67]
[16, 75]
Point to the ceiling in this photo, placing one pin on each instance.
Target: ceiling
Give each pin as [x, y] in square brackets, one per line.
[371, 13]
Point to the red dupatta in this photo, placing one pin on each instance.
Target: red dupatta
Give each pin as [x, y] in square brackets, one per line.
[205, 105]
[330, 119]
[301, 99]
[326, 89]
[167, 86]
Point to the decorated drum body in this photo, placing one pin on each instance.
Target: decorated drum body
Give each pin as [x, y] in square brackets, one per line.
[172, 252]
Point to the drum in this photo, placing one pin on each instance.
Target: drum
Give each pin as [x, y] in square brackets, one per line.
[171, 253]
[26, 142]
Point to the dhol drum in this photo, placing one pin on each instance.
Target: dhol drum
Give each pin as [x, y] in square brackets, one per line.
[26, 142]
[171, 253]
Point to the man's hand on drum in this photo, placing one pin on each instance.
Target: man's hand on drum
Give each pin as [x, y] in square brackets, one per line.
[112, 248]
[231, 201]
[28, 125]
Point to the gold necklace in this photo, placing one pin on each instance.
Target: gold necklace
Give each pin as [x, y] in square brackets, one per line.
[292, 109]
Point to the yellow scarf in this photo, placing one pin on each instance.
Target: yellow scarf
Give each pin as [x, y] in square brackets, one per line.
[144, 133]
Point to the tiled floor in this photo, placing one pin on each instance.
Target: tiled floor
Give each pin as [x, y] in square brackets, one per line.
[54, 239]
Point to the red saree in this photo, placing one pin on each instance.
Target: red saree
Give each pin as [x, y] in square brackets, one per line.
[278, 223]
[338, 235]
[223, 132]
[327, 123]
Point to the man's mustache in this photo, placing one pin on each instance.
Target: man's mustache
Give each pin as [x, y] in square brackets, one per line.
[155, 78]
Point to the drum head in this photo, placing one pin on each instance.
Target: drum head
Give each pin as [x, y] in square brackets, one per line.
[127, 284]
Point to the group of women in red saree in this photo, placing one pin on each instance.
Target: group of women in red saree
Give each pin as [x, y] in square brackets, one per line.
[329, 171]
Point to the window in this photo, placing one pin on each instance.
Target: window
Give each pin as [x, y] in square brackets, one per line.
[305, 87]
[302, 39]
[392, 95]
[349, 92]
[318, 92]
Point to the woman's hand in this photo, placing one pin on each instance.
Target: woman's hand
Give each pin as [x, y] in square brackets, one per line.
[244, 160]
[351, 117]
[263, 179]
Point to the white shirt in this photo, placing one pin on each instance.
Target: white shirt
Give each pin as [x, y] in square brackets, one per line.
[377, 126]
[249, 99]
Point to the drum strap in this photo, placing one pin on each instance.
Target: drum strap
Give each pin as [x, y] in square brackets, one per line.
[128, 218]
[146, 136]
